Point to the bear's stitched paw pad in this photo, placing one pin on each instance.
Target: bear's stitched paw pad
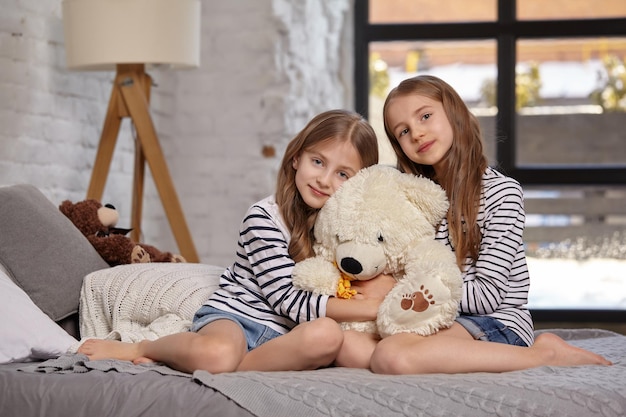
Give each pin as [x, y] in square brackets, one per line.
[416, 307]
[418, 301]
[139, 255]
[176, 258]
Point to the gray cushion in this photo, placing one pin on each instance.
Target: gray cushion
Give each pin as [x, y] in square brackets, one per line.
[42, 251]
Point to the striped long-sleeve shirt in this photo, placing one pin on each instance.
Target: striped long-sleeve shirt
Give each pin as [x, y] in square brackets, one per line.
[259, 284]
[497, 284]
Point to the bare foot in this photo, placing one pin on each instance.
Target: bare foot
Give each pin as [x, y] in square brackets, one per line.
[109, 349]
[561, 353]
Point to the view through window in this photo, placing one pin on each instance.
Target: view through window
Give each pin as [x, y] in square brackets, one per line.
[558, 124]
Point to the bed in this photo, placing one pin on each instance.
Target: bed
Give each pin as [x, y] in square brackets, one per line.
[50, 276]
[71, 385]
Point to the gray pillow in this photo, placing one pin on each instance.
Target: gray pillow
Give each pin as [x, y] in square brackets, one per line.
[43, 252]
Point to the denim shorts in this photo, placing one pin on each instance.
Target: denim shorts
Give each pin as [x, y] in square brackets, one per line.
[489, 329]
[256, 334]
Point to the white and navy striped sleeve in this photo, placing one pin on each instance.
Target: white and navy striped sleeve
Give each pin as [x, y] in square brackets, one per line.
[259, 285]
[488, 283]
[497, 284]
[271, 266]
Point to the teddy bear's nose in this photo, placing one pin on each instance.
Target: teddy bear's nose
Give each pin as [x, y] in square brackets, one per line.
[110, 206]
[351, 266]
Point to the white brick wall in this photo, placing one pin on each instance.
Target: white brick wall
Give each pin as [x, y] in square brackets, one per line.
[267, 67]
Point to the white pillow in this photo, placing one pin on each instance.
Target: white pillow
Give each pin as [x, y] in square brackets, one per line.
[26, 333]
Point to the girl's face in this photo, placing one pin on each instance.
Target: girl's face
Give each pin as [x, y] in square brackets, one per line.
[421, 127]
[321, 170]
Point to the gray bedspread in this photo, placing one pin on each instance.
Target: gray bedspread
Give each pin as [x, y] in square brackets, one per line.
[545, 391]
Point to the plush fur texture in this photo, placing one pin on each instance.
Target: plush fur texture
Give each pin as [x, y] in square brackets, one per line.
[382, 220]
[97, 224]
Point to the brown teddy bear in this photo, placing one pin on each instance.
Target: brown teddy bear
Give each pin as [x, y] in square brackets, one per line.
[97, 223]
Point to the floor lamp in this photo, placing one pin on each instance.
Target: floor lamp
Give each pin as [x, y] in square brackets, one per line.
[128, 35]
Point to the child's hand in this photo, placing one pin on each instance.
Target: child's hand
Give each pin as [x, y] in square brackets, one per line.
[376, 288]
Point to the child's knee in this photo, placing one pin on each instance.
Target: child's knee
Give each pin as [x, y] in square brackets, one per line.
[323, 334]
[388, 359]
[215, 355]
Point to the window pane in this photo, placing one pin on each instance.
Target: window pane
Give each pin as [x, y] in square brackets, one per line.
[431, 11]
[571, 102]
[569, 9]
[468, 66]
[572, 234]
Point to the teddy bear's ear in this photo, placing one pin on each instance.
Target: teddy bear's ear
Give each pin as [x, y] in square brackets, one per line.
[427, 196]
[66, 207]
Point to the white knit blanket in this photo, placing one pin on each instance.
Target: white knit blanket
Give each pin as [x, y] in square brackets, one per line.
[144, 301]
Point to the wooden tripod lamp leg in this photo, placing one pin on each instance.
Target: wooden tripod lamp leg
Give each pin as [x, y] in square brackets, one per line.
[137, 105]
[140, 158]
[138, 182]
[106, 146]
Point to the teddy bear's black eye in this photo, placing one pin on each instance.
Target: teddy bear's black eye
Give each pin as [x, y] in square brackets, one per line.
[380, 238]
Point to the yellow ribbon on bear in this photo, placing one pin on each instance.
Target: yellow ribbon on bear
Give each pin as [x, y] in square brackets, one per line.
[344, 287]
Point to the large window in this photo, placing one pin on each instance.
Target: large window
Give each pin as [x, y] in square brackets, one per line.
[547, 80]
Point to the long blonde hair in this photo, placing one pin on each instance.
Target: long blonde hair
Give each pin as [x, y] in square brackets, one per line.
[337, 125]
[463, 165]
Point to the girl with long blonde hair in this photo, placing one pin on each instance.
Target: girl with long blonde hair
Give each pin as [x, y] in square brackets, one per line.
[257, 320]
[434, 134]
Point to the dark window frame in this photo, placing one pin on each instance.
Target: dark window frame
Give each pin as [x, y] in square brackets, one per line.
[506, 30]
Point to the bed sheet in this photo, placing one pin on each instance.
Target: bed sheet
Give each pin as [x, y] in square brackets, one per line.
[106, 393]
[72, 385]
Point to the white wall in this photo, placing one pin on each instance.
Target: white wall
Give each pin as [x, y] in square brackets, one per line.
[267, 66]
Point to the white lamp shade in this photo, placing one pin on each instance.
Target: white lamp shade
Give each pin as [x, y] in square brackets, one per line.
[99, 34]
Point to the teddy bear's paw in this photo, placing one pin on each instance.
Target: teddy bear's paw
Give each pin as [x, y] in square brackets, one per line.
[416, 308]
[139, 255]
[176, 258]
[418, 301]
[317, 275]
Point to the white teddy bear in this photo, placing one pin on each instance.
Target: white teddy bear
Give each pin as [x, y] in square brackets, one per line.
[382, 220]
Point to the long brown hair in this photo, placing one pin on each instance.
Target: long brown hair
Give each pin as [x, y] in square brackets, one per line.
[337, 125]
[463, 165]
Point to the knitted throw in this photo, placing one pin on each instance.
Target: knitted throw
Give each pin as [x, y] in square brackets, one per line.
[144, 301]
